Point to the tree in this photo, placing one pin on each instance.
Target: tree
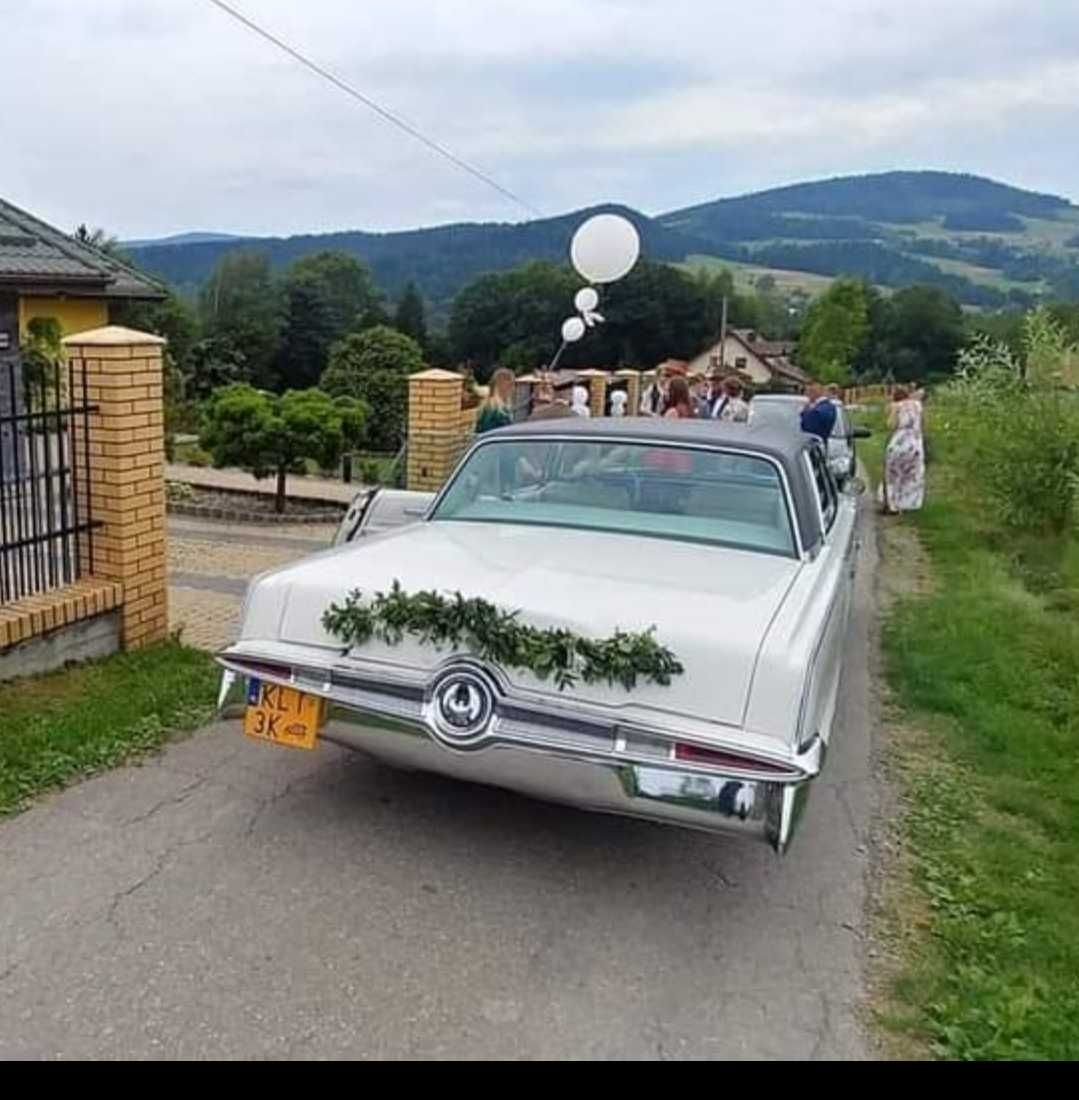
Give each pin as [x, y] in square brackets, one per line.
[923, 334]
[374, 366]
[523, 308]
[242, 305]
[98, 239]
[324, 297]
[175, 320]
[43, 356]
[274, 434]
[655, 312]
[835, 330]
[215, 362]
[410, 318]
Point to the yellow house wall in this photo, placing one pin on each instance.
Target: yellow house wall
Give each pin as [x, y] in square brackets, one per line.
[74, 314]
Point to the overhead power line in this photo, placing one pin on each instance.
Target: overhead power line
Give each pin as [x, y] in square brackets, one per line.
[368, 102]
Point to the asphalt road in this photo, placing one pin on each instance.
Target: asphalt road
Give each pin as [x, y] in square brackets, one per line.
[229, 899]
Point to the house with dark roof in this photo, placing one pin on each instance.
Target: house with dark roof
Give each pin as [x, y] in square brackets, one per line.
[47, 273]
[765, 364]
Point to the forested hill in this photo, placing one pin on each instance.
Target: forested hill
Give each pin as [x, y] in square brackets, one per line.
[985, 242]
[849, 207]
[440, 260]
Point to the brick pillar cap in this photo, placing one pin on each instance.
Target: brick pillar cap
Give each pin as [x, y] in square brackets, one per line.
[625, 372]
[112, 336]
[436, 374]
[591, 372]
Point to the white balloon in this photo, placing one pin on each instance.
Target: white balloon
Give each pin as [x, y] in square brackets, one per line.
[572, 329]
[586, 300]
[605, 248]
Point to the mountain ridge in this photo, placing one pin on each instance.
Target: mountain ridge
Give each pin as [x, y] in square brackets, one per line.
[987, 242]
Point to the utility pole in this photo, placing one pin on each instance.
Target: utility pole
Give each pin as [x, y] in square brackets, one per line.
[723, 336]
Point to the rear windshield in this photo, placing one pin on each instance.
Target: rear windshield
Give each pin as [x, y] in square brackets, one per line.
[658, 490]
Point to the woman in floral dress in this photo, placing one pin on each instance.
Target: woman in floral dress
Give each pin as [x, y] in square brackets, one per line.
[903, 488]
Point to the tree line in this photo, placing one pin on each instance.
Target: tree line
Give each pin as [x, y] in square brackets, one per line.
[324, 324]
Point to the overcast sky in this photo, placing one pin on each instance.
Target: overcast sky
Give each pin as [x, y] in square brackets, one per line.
[158, 116]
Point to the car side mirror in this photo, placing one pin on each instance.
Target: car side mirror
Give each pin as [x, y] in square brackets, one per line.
[860, 432]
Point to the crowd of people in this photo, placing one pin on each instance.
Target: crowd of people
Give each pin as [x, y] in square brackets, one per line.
[673, 396]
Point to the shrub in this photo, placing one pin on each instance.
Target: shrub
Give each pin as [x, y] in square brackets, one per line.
[370, 471]
[276, 435]
[1014, 430]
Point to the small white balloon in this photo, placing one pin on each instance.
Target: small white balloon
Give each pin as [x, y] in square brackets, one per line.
[605, 248]
[572, 329]
[586, 300]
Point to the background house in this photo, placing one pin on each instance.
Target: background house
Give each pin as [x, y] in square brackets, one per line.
[47, 273]
[766, 363]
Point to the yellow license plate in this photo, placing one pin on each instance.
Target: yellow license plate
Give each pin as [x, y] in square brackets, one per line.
[282, 715]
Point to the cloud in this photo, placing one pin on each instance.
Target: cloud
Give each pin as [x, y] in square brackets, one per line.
[150, 116]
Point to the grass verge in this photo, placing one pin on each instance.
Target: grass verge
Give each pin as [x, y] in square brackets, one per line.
[985, 664]
[88, 717]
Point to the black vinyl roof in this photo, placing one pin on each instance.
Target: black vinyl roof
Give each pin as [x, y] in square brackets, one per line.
[772, 439]
[783, 445]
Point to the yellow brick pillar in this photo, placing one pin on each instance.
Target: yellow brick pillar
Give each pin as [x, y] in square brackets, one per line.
[596, 381]
[439, 428]
[632, 380]
[126, 488]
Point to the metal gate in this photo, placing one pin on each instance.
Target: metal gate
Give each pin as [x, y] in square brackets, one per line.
[46, 515]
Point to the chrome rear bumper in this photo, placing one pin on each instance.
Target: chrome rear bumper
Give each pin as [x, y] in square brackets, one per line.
[656, 790]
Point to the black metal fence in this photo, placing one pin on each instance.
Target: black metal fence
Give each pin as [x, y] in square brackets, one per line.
[46, 514]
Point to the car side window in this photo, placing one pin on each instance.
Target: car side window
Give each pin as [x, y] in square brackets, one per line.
[825, 484]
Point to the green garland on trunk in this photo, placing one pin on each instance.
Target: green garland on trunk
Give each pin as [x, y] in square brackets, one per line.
[497, 636]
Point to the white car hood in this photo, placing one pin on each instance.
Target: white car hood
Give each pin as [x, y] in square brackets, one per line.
[711, 605]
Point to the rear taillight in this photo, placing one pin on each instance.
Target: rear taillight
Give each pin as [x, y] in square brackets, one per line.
[694, 754]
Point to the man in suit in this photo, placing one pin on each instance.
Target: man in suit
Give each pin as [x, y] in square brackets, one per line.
[818, 416]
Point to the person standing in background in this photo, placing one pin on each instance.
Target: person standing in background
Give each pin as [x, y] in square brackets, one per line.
[497, 408]
[818, 416]
[654, 398]
[546, 406]
[732, 406]
[903, 487]
[702, 396]
[679, 401]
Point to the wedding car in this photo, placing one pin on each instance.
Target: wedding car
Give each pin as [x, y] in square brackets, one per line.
[635, 616]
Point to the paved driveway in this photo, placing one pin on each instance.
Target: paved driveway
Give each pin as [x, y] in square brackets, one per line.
[230, 899]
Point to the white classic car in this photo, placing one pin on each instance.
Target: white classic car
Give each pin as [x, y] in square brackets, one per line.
[635, 616]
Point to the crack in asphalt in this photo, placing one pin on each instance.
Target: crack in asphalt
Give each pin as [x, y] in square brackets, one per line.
[265, 803]
[176, 799]
[161, 862]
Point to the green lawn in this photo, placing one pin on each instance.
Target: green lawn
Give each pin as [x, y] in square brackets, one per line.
[986, 668]
[93, 716]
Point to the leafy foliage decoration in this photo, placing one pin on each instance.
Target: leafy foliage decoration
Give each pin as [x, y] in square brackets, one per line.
[499, 637]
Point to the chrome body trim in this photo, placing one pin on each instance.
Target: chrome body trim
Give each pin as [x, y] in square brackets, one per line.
[557, 754]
